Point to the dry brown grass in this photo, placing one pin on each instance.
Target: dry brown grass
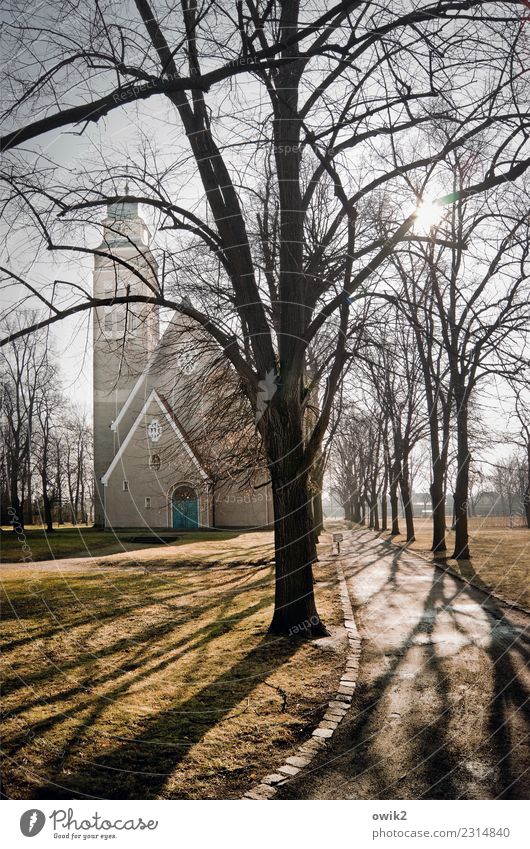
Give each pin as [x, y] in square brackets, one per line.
[500, 557]
[122, 683]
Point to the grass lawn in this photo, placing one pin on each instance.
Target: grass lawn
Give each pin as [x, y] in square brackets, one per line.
[500, 557]
[82, 541]
[158, 680]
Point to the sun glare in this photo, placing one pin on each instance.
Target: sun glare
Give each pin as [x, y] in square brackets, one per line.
[428, 214]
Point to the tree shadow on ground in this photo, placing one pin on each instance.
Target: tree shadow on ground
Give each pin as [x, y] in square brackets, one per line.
[371, 755]
[138, 767]
[72, 696]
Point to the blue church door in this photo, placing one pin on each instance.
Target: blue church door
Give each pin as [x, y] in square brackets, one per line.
[185, 508]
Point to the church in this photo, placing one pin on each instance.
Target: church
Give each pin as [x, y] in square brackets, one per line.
[167, 445]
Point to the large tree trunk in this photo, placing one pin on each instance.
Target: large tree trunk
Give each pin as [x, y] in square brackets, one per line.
[318, 513]
[374, 511]
[438, 512]
[461, 551]
[317, 479]
[406, 495]
[394, 504]
[47, 503]
[48, 519]
[526, 496]
[384, 512]
[384, 494]
[437, 488]
[16, 512]
[29, 500]
[295, 611]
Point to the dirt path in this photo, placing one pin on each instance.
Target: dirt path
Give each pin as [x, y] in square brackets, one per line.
[441, 707]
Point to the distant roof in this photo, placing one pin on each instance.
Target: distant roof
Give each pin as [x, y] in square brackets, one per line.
[123, 209]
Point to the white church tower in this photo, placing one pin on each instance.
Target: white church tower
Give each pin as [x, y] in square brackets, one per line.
[124, 335]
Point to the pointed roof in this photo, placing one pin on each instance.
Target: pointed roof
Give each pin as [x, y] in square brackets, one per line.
[175, 425]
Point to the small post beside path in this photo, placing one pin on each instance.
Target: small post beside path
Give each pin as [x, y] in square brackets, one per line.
[337, 539]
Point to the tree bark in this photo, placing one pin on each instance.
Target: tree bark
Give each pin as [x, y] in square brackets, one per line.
[384, 511]
[461, 493]
[394, 505]
[384, 494]
[437, 488]
[46, 500]
[295, 611]
[317, 479]
[438, 512]
[404, 483]
[48, 518]
[17, 514]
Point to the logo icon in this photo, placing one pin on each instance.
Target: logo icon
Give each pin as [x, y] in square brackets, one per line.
[31, 822]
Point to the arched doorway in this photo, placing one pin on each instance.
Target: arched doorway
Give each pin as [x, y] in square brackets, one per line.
[185, 507]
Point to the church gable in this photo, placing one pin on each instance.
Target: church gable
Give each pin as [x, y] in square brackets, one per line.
[146, 434]
[153, 462]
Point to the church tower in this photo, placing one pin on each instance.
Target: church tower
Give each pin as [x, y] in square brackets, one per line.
[124, 335]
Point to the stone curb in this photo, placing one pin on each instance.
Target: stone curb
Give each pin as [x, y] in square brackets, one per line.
[335, 711]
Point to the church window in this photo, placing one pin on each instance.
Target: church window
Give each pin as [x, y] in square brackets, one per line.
[154, 462]
[126, 486]
[108, 321]
[148, 502]
[154, 430]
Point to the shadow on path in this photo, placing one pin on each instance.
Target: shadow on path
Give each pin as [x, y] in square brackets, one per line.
[441, 707]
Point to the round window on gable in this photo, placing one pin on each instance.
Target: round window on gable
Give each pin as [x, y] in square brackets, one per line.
[154, 430]
[154, 462]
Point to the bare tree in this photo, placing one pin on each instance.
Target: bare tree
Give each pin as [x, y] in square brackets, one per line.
[45, 456]
[336, 79]
[74, 465]
[522, 413]
[23, 366]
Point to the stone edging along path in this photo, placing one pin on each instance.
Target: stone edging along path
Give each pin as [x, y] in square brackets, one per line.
[336, 709]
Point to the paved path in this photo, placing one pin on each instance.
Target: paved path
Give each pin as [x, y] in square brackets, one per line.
[441, 708]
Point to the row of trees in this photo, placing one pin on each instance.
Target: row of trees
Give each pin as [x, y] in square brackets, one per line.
[497, 489]
[45, 441]
[452, 320]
